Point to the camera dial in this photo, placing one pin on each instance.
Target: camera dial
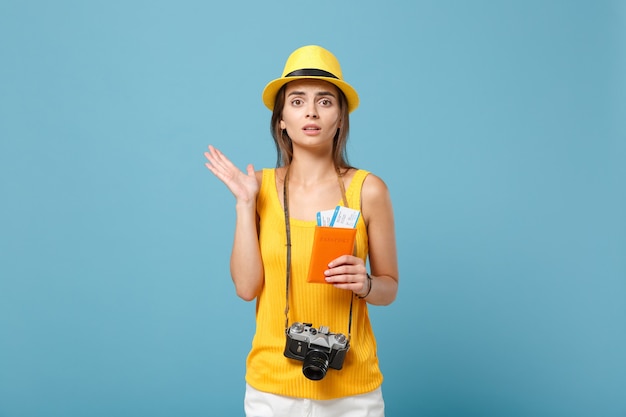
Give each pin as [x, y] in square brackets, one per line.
[297, 327]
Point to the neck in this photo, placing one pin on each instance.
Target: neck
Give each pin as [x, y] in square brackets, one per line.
[311, 171]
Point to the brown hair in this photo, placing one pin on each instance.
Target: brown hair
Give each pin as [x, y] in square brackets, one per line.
[284, 147]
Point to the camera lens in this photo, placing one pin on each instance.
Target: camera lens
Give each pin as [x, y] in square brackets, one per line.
[315, 365]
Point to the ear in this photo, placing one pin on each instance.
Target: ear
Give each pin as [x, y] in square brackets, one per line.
[282, 125]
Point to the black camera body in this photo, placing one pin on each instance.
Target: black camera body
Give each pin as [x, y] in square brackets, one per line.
[319, 349]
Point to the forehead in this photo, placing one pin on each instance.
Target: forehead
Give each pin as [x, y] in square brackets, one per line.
[311, 85]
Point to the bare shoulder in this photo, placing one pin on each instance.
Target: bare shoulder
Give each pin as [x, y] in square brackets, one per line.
[375, 199]
[374, 188]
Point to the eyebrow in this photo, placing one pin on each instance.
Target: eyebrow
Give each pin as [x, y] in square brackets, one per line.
[318, 94]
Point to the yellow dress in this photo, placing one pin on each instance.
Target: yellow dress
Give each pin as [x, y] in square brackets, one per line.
[267, 368]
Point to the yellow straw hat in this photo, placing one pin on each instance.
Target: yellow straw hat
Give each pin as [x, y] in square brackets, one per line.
[308, 62]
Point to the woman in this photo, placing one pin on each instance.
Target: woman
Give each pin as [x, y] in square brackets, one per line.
[273, 243]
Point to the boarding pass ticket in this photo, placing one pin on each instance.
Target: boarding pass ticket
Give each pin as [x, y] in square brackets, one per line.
[339, 217]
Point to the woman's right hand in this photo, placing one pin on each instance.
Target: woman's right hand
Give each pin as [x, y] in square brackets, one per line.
[243, 186]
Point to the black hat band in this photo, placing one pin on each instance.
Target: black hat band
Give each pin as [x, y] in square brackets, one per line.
[311, 72]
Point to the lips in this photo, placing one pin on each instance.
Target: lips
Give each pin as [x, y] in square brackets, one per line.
[311, 128]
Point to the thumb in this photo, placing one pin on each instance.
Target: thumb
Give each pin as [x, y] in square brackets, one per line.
[250, 170]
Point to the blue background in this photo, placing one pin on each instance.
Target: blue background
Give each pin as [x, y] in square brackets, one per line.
[499, 128]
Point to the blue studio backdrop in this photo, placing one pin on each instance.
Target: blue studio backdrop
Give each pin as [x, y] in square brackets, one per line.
[499, 128]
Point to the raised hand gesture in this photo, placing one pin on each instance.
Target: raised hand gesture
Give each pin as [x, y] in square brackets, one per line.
[244, 186]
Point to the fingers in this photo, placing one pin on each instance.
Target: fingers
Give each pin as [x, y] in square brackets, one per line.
[220, 165]
[347, 272]
[354, 283]
[218, 160]
[345, 260]
[243, 186]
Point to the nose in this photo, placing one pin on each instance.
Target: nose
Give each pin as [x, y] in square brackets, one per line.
[312, 111]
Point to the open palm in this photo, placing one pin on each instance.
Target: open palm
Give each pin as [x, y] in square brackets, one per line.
[244, 186]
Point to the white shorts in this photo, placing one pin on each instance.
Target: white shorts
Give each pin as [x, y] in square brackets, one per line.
[263, 404]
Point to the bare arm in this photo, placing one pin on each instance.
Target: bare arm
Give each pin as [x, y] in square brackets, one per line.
[246, 267]
[383, 256]
[349, 272]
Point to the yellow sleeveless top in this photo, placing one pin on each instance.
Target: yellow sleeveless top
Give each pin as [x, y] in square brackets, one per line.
[267, 368]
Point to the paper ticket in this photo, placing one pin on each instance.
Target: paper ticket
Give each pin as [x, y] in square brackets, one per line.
[345, 217]
[325, 217]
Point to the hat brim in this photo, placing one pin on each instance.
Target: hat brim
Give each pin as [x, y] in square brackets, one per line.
[271, 89]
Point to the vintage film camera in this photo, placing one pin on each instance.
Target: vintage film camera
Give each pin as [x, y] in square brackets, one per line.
[319, 349]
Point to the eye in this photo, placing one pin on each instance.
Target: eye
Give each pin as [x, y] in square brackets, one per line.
[296, 102]
[326, 102]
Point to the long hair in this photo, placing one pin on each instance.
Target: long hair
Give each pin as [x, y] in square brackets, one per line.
[284, 146]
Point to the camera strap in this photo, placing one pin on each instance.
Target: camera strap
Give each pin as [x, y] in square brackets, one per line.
[288, 233]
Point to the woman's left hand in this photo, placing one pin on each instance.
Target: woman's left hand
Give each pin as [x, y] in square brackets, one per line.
[349, 273]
